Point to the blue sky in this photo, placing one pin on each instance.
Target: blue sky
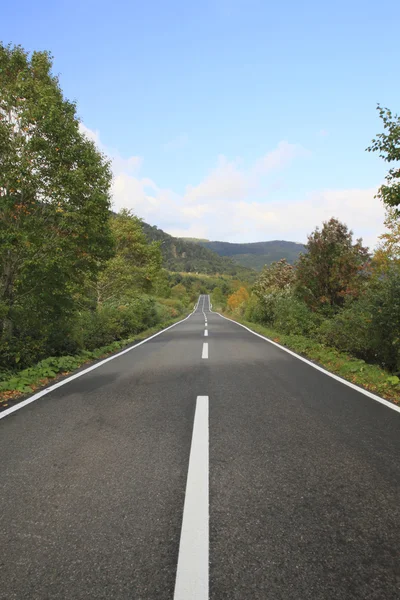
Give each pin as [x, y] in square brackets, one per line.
[229, 119]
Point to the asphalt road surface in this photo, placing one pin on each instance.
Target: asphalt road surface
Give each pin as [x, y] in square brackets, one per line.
[201, 466]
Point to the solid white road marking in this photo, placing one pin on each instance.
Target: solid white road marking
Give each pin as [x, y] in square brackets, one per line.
[204, 354]
[206, 332]
[192, 572]
[308, 362]
[16, 407]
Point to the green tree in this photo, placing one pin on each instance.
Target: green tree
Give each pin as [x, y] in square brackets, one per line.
[218, 298]
[54, 194]
[334, 268]
[178, 291]
[388, 146]
[390, 240]
[136, 266]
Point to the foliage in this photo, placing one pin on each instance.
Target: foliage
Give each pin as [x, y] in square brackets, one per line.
[276, 277]
[236, 301]
[335, 295]
[136, 265]
[274, 284]
[54, 190]
[388, 146]
[257, 311]
[111, 322]
[388, 250]
[334, 269]
[257, 254]
[292, 315]
[218, 299]
[370, 327]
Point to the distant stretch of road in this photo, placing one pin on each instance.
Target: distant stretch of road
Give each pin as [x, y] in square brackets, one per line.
[205, 463]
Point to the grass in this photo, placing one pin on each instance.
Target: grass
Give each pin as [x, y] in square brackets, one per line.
[32, 379]
[371, 377]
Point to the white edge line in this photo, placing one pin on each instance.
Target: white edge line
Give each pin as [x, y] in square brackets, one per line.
[192, 571]
[308, 362]
[42, 393]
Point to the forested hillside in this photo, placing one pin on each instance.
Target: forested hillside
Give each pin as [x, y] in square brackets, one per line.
[256, 255]
[183, 255]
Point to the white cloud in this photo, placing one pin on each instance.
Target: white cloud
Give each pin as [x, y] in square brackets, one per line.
[120, 165]
[177, 143]
[226, 181]
[279, 158]
[224, 205]
[93, 135]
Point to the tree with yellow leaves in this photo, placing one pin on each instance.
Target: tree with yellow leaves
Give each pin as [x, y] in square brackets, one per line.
[237, 300]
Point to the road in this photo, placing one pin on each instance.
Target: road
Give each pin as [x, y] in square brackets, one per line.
[105, 481]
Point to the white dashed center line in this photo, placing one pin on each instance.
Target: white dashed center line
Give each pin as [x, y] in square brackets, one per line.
[206, 332]
[204, 354]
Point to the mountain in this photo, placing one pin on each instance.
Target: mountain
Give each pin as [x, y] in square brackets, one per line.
[257, 254]
[192, 257]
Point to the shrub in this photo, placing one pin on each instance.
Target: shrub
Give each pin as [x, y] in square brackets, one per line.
[111, 322]
[293, 316]
[169, 308]
[256, 311]
[370, 327]
[349, 330]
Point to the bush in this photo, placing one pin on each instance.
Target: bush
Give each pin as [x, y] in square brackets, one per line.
[218, 299]
[169, 308]
[370, 327]
[110, 322]
[293, 316]
[256, 311]
[237, 301]
[349, 331]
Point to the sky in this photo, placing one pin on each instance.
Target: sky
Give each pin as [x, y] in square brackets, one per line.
[233, 120]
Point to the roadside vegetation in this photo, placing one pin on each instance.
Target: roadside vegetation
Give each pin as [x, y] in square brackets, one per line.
[339, 304]
[77, 281]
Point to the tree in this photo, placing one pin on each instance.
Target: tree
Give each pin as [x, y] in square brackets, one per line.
[218, 298]
[277, 276]
[389, 247]
[178, 291]
[136, 265]
[54, 194]
[388, 145]
[237, 300]
[334, 269]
